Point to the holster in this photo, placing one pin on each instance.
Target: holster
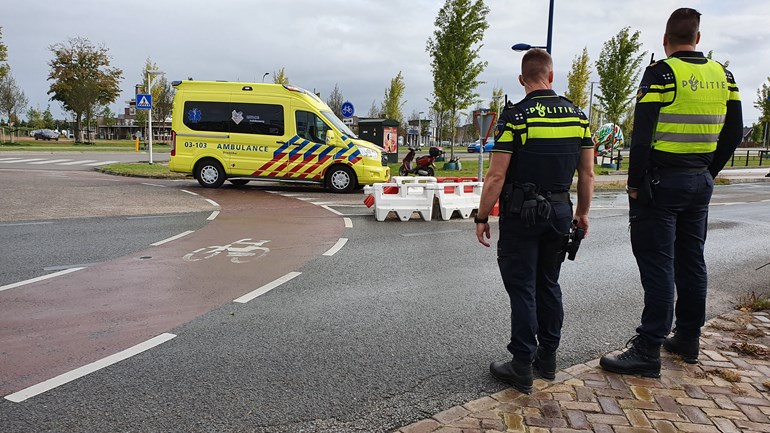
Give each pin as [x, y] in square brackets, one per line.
[525, 202]
[646, 193]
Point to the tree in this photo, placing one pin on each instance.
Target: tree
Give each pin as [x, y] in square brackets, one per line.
[3, 56]
[335, 101]
[618, 69]
[12, 99]
[163, 102]
[48, 120]
[108, 116]
[497, 101]
[577, 80]
[391, 104]
[279, 77]
[35, 118]
[763, 105]
[82, 78]
[374, 111]
[454, 50]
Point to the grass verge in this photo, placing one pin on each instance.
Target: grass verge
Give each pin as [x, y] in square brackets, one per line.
[141, 169]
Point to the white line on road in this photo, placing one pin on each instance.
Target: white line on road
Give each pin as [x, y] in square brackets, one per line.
[79, 372]
[267, 287]
[338, 246]
[332, 210]
[37, 223]
[94, 164]
[213, 203]
[6, 159]
[440, 232]
[189, 192]
[348, 223]
[154, 216]
[21, 160]
[82, 161]
[213, 215]
[36, 279]
[172, 238]
[50, 161]
[153, 184]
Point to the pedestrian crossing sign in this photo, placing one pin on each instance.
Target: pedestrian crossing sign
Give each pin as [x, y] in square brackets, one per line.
[143, 102]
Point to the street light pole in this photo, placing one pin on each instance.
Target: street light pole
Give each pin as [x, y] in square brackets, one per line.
[419, 127]
[263, 77]
[150, 73]
[549, 45]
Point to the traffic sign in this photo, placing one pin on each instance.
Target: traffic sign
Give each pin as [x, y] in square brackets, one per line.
[144, 102]
[347, 109]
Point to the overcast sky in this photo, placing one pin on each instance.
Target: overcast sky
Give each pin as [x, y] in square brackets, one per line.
[359, 44]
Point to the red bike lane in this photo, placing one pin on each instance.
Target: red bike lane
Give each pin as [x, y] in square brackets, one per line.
[54, 326]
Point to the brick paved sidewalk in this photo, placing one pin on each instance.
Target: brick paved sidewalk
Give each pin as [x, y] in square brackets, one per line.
[728, 391]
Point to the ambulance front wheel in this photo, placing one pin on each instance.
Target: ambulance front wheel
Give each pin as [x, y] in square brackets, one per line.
[341, 179]
[210, 173]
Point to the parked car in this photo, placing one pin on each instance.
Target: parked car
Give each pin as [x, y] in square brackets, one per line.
[475, 146]
[46, 134]
[34, 132]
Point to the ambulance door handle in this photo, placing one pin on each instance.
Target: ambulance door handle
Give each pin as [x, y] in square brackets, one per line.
[280, 142]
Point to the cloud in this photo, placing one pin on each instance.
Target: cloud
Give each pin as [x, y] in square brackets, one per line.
[358, 44]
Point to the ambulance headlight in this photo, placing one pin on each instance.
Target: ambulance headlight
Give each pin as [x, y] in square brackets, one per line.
[369, 153]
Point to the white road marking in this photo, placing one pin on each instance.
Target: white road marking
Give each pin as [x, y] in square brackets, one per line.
[154, 216]
[82, 161]
[338, 246]
[6, 159]
[59, 268]
[189, 192]
[332, 210]
[305, 198]
[153, 184]
[79, 372]
[440, 232]
[27, 224]
[50, 161]
[94, 164]
[213, 203]
[21, 160]
[172, 238]
[348, 223]
[36, 279]
[213, 215]
[267, 287]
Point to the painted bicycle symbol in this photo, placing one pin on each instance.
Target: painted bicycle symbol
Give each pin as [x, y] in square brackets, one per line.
[240, 251]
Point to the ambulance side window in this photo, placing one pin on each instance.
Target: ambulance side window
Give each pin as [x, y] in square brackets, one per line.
[207, 116]
[311, 127]
[263, 119]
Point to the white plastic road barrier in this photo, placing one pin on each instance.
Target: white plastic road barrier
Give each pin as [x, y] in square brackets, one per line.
[415, 194]
[458, 199]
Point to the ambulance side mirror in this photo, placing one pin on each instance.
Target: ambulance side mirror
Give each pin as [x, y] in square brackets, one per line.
[331, 138]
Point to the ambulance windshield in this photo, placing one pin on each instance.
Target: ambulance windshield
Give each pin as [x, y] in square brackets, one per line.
[338, 124]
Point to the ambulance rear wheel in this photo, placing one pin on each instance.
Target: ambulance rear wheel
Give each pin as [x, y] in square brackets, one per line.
[341, 179]
[210, 174]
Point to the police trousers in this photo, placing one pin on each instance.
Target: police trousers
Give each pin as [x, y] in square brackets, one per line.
[530, 266]
[667, 239]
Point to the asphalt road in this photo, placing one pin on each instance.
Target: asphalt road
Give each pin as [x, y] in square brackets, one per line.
[400, 324]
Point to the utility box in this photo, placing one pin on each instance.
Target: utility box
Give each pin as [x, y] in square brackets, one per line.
[383, 133]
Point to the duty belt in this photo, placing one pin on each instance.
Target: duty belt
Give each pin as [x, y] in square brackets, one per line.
[557, 197]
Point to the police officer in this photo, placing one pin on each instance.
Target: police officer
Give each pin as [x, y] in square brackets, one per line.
[687, 123]
[539, 142]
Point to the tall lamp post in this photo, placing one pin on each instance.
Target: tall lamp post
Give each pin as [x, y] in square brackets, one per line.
[263, 77]
[591, 102]
[419, 127]
[525, 47]
[150, 73]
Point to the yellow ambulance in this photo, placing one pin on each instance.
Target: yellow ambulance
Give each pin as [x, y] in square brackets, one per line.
[245, 131]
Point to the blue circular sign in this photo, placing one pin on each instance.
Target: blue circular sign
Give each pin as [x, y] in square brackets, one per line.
[347, 109]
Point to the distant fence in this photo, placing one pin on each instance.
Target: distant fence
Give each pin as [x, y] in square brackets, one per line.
[747, 157]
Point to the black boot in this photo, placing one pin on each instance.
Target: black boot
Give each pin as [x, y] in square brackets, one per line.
[515, 373]
[686, 348]
[641, 357]
[544, 364]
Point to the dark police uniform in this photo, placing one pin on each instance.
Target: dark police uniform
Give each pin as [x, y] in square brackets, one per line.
[544, 134]
[688, 123]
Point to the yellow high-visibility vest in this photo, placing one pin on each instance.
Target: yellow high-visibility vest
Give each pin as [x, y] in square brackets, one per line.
[693, 121]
